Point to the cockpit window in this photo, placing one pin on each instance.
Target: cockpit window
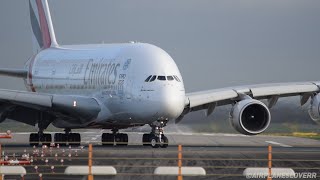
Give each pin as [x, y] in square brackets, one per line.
[176, 77]
[153, 78]
[161, 78]
[170, 78]
[147, 80]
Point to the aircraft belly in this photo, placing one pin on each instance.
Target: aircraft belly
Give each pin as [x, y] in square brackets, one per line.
[136, 112]
[129, 112]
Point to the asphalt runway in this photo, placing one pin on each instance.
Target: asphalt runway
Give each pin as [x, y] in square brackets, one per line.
[223, 156]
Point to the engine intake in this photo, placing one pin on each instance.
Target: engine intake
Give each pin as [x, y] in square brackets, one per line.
[314, 109]
[250, 117]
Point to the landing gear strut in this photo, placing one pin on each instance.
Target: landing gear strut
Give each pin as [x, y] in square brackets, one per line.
[156, 138]
[114, 138]
[36, 138]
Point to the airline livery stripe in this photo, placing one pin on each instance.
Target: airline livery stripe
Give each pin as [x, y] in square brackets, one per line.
[44, 26]
[30, 74]
[35, 26]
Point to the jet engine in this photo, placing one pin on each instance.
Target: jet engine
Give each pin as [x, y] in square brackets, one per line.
[314, 109]
[250, 117]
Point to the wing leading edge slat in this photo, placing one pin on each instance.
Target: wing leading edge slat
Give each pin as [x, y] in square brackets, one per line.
[256, 91]
[205, 97]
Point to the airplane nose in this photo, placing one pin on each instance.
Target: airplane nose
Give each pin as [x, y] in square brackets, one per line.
[171, 103]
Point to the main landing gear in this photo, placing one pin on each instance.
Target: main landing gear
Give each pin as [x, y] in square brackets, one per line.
[62, 139]
[114, 138]
[156, 138]
[36, 138]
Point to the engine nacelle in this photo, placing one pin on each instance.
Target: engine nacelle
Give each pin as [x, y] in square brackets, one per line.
[250, 117]
[314, 109]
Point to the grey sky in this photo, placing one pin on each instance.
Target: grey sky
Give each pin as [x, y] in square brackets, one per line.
[215, 43]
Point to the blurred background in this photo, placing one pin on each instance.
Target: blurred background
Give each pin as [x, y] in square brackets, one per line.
[214, 43]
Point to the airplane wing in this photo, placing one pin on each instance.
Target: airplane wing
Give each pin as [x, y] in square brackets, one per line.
[261, 91]
[20, 73]
[208, 100]
[30, 108]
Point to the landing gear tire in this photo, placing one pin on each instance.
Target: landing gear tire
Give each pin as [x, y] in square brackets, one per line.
[61, 139]
[34, 139]
[118, 139]
[107, 139]
[164, 142]
[154, 141]
[74, 139]
[46, 139]
[146, 139]
[121, 139]
[156, 138]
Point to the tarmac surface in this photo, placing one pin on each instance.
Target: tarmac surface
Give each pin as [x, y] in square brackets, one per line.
[223, 156]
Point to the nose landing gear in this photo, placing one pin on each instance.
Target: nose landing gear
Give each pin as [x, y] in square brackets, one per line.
[156, 138]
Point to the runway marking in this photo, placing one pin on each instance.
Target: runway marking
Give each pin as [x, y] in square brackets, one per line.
[204, 134]
[276, 143]
[188, 134]
[220, 134]
[24, 133]
[234, 135]
[87, 132]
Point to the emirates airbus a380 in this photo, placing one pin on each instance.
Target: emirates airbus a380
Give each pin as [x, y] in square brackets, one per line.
[117, 86]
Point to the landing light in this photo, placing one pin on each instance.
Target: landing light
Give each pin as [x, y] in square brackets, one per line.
[74, 103]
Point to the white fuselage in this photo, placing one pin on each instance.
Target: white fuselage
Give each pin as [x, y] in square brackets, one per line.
[114, 74]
